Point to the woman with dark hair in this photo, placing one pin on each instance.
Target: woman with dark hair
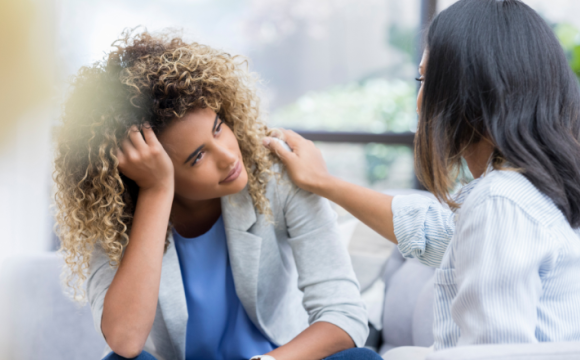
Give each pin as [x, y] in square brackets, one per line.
[496, 91]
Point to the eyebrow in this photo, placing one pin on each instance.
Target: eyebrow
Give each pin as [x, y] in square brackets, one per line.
[215, 122]
[194, 154]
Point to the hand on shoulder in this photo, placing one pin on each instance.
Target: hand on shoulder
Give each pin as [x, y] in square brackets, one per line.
[304, 162]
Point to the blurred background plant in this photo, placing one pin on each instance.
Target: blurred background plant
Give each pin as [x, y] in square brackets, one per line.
[383, 100]
[569, 36]
[373, 105]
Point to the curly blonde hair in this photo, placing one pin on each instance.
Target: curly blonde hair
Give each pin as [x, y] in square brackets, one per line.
[153, 79]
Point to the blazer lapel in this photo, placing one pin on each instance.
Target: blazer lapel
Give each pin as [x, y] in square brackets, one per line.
[172, 300]
[244, 248]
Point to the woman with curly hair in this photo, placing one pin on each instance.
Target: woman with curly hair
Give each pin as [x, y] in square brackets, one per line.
[192, 243]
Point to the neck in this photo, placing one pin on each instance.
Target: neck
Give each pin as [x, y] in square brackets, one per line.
[192, 218]
[477, 157]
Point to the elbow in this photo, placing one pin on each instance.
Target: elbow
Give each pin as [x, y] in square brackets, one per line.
[345, 342]
[126, 350]
[125, 345]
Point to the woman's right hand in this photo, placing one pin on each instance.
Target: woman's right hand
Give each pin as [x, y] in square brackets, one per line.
[143, 159]
[304, 163]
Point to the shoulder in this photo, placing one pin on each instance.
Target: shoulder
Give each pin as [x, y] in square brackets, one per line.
[279, 181]
[513, 191]
[280, 188]
[294, 205]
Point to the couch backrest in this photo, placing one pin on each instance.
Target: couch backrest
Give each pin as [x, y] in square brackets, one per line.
[37, 321]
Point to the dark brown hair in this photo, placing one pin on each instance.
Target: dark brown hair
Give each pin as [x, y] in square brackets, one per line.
[496, 72]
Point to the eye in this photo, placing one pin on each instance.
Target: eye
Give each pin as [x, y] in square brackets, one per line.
[198, 157]
[218, 128]
[420, 79]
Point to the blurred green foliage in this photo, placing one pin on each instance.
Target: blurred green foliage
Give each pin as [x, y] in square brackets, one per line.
[380, 159]
[375, 105]
[569, 37]
[403, 39]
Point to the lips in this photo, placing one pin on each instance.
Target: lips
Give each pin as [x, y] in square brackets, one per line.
[234, 174]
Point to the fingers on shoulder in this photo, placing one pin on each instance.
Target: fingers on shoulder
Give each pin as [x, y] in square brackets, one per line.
[294, 139]
[281, 149]
[276, 132]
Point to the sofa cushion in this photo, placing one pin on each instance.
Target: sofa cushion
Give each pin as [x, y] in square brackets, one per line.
[535, 351]
[423, 315]
[37, 321]
[407, 282]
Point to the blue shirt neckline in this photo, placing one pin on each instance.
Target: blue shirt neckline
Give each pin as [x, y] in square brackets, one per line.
[218, 327]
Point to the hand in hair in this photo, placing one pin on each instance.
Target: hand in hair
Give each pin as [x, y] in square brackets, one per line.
[131, 300]
[143, 160]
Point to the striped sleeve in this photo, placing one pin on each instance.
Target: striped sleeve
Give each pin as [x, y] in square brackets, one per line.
[423, 228]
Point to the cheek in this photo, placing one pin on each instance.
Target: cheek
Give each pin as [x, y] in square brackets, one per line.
[230, 139]
[207, 187]
[196, 185]
[203, 183]
[420, 99]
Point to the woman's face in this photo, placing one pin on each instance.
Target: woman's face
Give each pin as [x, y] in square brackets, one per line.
[422, 68]
[206, 156]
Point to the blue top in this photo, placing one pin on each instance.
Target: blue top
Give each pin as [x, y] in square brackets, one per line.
[508, 263]
[218, 326]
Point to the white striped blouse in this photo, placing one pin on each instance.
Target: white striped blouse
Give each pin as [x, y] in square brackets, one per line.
[509, 262]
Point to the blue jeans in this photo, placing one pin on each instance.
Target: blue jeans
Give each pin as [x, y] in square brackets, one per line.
[350, 354]
[143, 356]
[355, 354]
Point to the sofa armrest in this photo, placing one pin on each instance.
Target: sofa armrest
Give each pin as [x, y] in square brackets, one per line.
[535, 351]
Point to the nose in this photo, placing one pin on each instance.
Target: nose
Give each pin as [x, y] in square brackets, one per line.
[225, 157]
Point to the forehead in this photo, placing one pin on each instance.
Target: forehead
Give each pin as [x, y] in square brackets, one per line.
[187, 133]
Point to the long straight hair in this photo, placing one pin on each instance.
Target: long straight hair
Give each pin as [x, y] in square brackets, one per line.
[496, 72]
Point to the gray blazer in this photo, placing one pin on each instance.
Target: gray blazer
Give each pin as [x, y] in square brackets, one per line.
[288, 273]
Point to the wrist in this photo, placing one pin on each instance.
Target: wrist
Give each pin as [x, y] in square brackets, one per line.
[165, 188]
[262, 357]
[325, 186]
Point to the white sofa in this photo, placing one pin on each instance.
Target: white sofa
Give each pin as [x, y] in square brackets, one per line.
[37, 321]
[408, 320]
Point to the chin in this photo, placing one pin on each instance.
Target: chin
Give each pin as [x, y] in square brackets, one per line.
[239, 184]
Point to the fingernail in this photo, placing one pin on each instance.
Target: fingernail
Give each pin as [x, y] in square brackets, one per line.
[266, 141]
